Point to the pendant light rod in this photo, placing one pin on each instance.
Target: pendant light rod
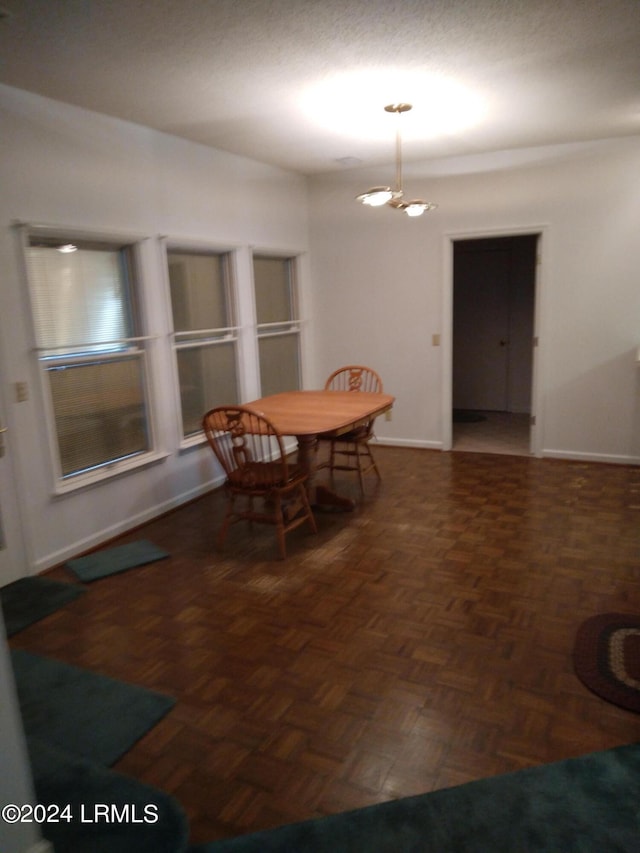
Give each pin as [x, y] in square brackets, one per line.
[398, 160]
[398, 109]
[379, 196]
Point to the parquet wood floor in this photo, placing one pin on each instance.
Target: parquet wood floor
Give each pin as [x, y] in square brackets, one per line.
[422, 641]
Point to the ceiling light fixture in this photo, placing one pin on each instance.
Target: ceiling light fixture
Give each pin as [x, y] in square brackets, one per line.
[379, 196]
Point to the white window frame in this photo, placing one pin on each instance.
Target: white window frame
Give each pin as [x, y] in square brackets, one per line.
[142, 347]
[282, 328]
[185, 340]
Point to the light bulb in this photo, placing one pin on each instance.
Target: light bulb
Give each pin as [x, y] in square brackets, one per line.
[376, 196]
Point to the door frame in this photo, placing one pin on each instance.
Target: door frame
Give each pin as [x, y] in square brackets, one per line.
[14, 562]
[537, 414]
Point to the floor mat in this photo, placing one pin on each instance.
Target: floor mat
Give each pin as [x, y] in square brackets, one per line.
[96, 810]
[28, 600]
[111, 561]
[82, 712]
[581, 805]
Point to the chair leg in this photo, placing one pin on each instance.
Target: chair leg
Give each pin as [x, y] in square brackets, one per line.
[358, 451]
[364, 450]
[280, 528]
[305, 502]
[354, 450]
[226, 521]
[373, 461]
[250, 508]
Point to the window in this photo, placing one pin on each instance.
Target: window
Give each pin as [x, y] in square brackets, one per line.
[91, 352]
[278, 325]
[205, 337]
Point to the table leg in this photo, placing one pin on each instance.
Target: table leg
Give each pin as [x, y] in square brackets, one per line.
[320, 496]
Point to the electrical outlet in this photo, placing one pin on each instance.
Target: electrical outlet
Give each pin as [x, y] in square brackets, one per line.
[22, 392]
[387, 415]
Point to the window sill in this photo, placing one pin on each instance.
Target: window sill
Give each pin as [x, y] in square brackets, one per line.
[195, 440]
[109, 472]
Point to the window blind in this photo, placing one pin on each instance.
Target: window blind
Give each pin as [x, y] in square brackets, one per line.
[205, 336]
[95, 369]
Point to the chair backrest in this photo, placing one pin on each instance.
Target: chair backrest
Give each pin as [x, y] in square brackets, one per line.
[354, 377]
[248, 446]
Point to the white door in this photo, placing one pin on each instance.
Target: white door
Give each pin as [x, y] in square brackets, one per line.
[13, 564]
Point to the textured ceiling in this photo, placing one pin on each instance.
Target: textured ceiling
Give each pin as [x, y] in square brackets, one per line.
[302, 83]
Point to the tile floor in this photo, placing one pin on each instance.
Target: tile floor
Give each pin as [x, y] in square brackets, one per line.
[499, 432]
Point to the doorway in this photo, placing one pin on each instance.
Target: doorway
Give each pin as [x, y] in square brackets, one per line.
[494, 295]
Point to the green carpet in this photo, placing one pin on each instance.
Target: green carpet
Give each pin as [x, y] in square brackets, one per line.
[82, 712]
[141, 819]
[28, 600]
[589, 804]
[77, 723]
[111, 561]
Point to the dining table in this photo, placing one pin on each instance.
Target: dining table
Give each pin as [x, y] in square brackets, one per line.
[310, 415]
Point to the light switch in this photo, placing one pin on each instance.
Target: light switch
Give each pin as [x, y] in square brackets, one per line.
[22, 392]
[435, 340]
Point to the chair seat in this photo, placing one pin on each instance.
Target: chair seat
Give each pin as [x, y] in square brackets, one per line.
[264, 476]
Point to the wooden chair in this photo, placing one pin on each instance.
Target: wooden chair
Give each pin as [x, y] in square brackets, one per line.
[352, 451]
[251, 452]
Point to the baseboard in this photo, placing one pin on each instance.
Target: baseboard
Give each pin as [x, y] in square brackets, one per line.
[408, 442]
[106, 534]
[607, 458]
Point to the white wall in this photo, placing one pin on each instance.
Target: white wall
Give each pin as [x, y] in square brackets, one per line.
[382, 287]
[65, 166]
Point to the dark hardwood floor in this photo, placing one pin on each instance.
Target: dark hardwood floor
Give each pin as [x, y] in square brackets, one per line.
[422, 641]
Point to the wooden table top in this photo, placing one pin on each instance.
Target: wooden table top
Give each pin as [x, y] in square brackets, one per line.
[313, 412]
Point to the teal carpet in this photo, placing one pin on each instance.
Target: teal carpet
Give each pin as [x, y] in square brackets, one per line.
[82, 712]
[77, 723]
[589, 804]
[28, 600]
[111, 561]
[141, 819]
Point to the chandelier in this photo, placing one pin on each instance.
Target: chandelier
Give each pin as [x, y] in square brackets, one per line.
[379, 196]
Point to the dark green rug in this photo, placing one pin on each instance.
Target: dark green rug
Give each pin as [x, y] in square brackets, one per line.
[77, 723]
[82, 712]
[104, 811]
[111, 561]
[29, 600]
[589, 804]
